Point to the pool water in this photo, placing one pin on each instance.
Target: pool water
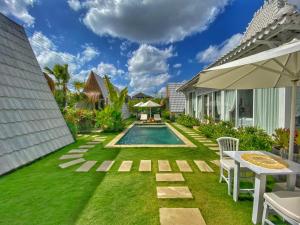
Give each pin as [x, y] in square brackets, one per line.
[150, 134]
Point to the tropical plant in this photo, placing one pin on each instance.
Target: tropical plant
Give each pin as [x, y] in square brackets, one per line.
[62, 77]
[187, 120]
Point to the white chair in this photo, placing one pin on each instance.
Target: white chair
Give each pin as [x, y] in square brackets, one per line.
[157, 118]
[144, 117]
[226, 163]
[284, 203]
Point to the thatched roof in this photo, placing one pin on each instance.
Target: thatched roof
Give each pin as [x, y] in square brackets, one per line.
[141, 95]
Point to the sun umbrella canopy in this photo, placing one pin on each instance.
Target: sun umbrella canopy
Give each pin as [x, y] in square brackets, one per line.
[278, 67]
[139, 104]
[150, 104]
[272, 68]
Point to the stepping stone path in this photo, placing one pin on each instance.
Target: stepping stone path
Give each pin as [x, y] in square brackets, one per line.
[216, 162]
[125, 166]
[71, 156]
[105, 166]
[78, 150]
[85, 167]
[169, 177]
[183, 166]
[86, 146]
[180, 216]
[145, 166]
[164, 166]
[203, 166]
[173, 192]
[93, 142]
[71, 163]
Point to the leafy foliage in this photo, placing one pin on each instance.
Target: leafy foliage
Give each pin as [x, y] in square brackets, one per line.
[73, 129]
[109, 120]
[187, 121]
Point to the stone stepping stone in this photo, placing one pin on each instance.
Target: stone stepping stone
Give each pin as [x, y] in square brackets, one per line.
[216, 162]
[183, 166]
[203, 166]
[218, 153]
[71, 163]
[79, 135]
[85, 167]
[211, 145]
[214, 148]
[105, 166]
[125, 166]
[202, 139]
[93, 142]
[145, 166]
[78, 150]
[169, 177]
[71, 156]
[86, 146]
[173, 192]
[164, 166]
[180, 216]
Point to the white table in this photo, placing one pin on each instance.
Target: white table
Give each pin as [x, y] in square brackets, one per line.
[260, 179]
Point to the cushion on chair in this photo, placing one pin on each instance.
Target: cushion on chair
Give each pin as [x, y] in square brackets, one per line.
[286, 202]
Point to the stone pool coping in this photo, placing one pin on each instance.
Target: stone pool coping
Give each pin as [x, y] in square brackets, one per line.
[187, 142]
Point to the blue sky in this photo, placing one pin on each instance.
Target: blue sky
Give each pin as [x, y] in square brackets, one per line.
[140, 44]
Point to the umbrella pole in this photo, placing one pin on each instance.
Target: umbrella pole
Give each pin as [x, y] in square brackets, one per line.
[292, 120]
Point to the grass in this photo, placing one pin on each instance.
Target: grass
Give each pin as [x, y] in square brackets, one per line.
[42, 193]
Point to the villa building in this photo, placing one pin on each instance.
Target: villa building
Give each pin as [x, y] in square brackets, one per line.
[97, 92]
[141, 96]
[176, 100]
[31, 123]
[275, 23]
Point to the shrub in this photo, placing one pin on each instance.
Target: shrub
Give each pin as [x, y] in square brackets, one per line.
[187, 121]
[216, 130]
[83, 119]
[165, 114]
[73, 129]
[253, 138]
[110, 120]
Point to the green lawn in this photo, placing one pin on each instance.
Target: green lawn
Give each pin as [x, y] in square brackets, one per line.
[42, 193]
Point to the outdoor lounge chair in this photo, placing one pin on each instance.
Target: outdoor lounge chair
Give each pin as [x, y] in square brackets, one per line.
[144, 117]
[285, 203]
[157, 118]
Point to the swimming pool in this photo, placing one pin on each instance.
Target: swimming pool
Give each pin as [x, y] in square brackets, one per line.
[152, 135]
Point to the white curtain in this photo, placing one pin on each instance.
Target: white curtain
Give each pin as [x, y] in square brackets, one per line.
[200, 104]
[218, 102]
[266, 106]
[229, 103]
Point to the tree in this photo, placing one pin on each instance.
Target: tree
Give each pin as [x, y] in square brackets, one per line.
[78, 86]
[62, 76]
[117, 99]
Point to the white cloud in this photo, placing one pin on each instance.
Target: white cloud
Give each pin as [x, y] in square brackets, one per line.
[108, 69]
[213, 52]
[150, 21]
[177, 65]
[148, 68]
[48, 55]
[18, 9]
[74, 4]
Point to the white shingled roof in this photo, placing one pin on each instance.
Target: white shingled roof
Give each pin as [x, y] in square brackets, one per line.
[31, 124]
[176, 98]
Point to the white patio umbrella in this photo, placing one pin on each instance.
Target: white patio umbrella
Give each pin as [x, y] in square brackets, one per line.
[277, 67]
[138, 104]
[150, 104]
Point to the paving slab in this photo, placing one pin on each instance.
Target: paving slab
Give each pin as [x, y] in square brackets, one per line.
[183, 166]
[164, 166]
[93, 142]
[105, 166]
[125, 166]
[78, 150]
[86, 146]
[203, 166]
[71, 163]
[145, 166]
[211, 145]
[169, 177]
[71, 156]
[216, 162]
[174, 192]
[218, 153]
[85, 167]
[180, 216]
[214, 148]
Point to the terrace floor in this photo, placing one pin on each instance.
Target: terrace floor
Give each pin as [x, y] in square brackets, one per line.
[127, 191]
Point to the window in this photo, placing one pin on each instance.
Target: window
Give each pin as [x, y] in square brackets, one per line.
[245, 107]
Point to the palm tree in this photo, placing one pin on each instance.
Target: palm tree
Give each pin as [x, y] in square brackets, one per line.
[78, 86]
[117, 99]
[62, 76]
